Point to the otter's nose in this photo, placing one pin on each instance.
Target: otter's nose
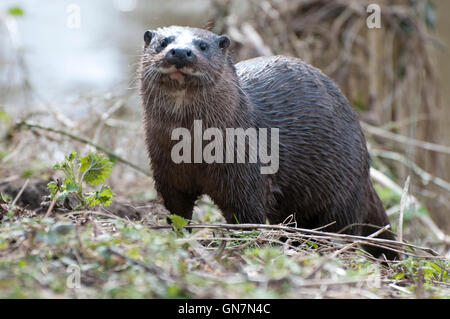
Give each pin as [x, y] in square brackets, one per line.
[180, 57]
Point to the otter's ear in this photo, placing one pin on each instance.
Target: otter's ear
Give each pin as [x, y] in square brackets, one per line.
[224, 42]
[148, 36]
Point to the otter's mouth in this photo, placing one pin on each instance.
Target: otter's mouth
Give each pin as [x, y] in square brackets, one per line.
[179, 74]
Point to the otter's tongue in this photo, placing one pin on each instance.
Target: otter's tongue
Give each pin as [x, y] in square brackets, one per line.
[177, 75]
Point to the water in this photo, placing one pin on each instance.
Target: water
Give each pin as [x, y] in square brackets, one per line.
[66, 57]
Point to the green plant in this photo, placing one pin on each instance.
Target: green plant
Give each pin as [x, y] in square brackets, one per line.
[178, 222]
[4, 198]
[92, 170]
[4, 117]
[15, 11]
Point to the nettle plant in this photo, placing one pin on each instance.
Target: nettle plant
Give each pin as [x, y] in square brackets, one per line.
[90, 170]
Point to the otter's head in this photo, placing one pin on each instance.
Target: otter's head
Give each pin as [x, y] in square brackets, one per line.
[181, 58]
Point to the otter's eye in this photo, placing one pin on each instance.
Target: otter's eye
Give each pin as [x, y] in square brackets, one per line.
[164, 43]
[203, 46]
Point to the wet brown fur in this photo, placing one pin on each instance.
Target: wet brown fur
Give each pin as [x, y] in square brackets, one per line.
[323, 175]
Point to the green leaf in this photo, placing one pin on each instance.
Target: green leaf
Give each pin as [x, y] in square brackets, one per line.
[63, 195]
[71, 156]
[133, 253]
[2, 154]
[15, 11]
[67, 187]
[436, 267]
[173, 290]
[96, 168]
[101, 197]
[178, 222]
[312, 244]
[70, 186]
[92, 169]
[5, 198]
[4, 116]
[398, 276]
[53, 188]
[63, 228]
[430, 16]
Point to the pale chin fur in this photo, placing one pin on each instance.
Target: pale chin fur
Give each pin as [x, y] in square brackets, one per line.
[176, 100]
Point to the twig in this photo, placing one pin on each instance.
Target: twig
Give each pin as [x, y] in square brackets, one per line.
[97, 213]
[356, 242]
[386, 181]
[336, 253]
[155, 270]
[325, 226]
[52, 204]
[402, 289]
[402, 209]
[86, 141]
[20, 192]
[439, 234]
[255, 39]
[104, 117]
[425, 176]
[9, 179]
[418, 289]
[405, 140]
[310, 233]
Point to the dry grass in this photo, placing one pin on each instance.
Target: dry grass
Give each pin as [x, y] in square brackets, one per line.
[143, 257]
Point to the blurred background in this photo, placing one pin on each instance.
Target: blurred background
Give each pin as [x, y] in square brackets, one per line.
[71, 66]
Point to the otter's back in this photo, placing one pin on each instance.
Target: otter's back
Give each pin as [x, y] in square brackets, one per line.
[322, 147]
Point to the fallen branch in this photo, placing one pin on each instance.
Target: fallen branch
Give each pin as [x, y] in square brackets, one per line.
[402, 209]
[425, 176]
[405, 140]
[313, 234]
[426, 220]
[336, 253]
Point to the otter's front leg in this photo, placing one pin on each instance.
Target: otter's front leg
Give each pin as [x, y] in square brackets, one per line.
[247, 211]
[240, 192]
[178, 202]
[244, 215]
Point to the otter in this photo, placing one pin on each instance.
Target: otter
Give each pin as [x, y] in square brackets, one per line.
[188, 74]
